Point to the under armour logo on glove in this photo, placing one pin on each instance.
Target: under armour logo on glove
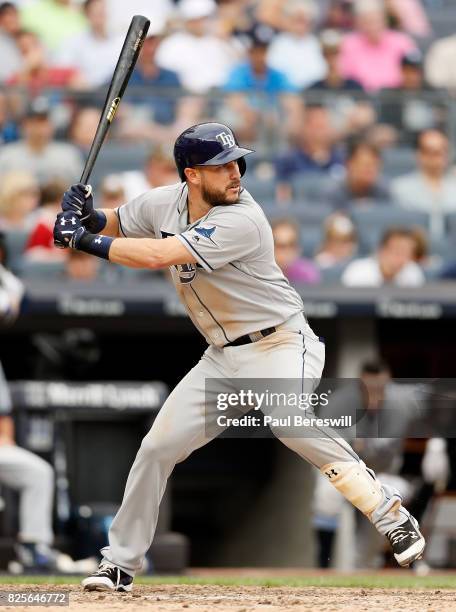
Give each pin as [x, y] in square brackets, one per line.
[64, 237]
[98, 240]
[63, 221]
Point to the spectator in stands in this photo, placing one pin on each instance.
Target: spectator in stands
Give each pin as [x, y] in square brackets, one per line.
[80, 51]
[394, 263]
[9, 131]
[331, 42]
[53, 21]
[338, 15]
[340, 242]
[120, 13]
[18, 199]
[288, 253]
[80, 266]
[408, 16]
[201, 59]
[148, 73]
[38, 152]
[255, 75]
[256, 91]
[40, 244]
[83, 127]
[441, 62]
[159, 170]
[315, 151]
[36, 73]
[372, 55]
[431, 188]
[156, 117]
[10, 55]
[411, 112]
[362, 183]
[112, 192]
[296, 51]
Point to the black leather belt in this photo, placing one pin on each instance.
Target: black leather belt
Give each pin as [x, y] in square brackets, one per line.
[254, 337]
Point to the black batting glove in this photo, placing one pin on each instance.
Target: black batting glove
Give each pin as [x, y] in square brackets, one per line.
[78, 200]
[68, 230]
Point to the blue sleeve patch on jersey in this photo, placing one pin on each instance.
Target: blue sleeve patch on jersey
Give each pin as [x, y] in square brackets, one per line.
[206, 232]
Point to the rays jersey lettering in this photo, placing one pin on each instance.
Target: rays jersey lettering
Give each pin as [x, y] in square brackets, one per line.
[187, 272]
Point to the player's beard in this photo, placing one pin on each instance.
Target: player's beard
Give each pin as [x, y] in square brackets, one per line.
[216, 197]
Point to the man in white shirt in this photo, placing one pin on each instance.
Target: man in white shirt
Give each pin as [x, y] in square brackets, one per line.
[159, 170]
[121, 12]
[394, 263]
[201, 59]
[38, 152]
[431, 188]
[297, 52]
[94, 52]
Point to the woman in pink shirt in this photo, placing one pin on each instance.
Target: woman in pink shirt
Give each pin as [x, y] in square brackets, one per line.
[372, 54]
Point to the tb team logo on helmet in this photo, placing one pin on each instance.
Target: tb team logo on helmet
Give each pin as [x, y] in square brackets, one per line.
[226, 139]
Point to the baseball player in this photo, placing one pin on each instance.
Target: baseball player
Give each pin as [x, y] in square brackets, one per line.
[218, 244]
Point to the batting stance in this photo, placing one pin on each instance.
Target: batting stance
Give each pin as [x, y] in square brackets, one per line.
[218, 244]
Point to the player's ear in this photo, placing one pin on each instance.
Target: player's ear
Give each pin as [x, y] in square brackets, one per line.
[192, 175]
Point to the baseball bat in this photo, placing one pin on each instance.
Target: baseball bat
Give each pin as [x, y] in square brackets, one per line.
[127, 59]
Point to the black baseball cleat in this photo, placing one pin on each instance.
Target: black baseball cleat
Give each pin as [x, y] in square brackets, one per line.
[407, 542]
[108, 577]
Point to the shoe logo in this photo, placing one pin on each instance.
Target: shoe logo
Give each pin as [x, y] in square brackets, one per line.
[413, 535]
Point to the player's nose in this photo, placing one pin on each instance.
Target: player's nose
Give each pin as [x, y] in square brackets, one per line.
[234, 171]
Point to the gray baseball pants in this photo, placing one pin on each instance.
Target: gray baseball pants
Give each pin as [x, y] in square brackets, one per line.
[293, 352]
[33, 478]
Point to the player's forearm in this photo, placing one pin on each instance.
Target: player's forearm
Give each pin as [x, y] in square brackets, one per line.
[137, 253]
[149, 253]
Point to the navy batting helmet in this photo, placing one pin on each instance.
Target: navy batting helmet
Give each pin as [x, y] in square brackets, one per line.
[208, 144]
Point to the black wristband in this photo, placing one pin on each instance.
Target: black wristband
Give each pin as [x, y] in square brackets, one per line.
[96, 221]
[95, 245]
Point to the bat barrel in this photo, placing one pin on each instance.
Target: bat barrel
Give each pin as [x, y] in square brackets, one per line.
[125, 64]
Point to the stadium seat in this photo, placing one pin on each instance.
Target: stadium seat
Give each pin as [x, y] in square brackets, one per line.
[371, 223]
[261, 189]
[15, 241]
[40, 269]
[332, 275]
[311, 238]
[398, 161]
[309, 186]
[114, 159]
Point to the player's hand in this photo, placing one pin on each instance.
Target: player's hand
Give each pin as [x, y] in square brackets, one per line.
[68, 230]
[79, 200]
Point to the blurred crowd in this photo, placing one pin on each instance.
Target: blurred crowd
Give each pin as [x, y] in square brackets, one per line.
[347, 103]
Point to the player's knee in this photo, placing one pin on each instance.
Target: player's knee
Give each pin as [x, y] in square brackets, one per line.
[156, 449]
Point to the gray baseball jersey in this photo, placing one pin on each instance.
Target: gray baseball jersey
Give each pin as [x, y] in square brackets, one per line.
[236, 288]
